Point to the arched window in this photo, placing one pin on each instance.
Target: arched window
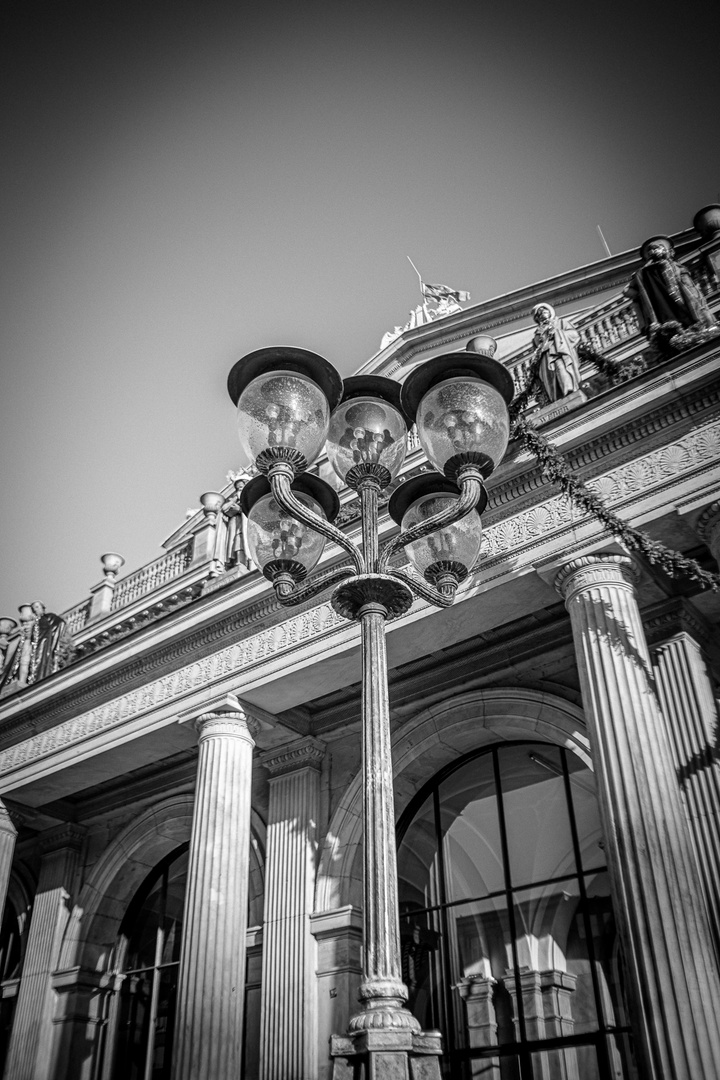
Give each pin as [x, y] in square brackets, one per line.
[507, 930]
[149, 956]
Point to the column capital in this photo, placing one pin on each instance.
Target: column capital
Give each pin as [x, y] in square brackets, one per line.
[67, 835]
[669, 620]
[225, 715]
[590, 571]
[305, 753]
[708, 527]
[8, 820]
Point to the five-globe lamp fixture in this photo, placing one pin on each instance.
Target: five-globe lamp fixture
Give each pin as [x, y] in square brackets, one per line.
[292, 405]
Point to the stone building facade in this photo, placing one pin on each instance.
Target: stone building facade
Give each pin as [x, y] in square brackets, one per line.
[181, 803]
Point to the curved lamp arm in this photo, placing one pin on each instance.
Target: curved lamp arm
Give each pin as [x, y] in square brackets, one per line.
[424, 590]
[290, 595]
[471, 489]
[282, 493]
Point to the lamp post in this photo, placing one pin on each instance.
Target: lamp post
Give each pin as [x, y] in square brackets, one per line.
[292, 403]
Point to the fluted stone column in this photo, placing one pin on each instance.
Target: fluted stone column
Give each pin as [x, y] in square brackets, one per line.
[664, 930]
[8, 833]
[288, 1011]
[677, 633]
[30, 1050]
[208, 1038]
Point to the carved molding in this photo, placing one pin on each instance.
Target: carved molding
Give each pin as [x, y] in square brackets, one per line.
[303, 754]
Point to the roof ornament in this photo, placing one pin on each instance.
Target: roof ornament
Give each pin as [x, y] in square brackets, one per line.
[439, 301]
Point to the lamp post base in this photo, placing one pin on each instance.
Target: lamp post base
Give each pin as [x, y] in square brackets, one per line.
[383, 1054]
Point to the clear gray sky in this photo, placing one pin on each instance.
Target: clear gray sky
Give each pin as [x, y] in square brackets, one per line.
[184, 182]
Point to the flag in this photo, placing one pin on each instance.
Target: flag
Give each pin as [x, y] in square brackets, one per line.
[442, 292]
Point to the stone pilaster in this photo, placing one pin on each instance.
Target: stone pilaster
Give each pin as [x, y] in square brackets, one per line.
[288, 1019]
[677, 633]
[666, 938]
[30, 1050]
[8, 832]
[208, 1039]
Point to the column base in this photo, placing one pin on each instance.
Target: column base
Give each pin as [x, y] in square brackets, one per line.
[383, 1054]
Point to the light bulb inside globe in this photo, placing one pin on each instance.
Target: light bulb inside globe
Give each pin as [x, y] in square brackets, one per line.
[282, 413]
[366, 434]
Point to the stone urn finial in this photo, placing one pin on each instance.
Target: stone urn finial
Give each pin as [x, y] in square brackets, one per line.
[482, 345]
[211, 501]
[111, 564]
[707, 222]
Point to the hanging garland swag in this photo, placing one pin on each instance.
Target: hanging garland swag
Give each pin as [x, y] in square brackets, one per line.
[555, 468]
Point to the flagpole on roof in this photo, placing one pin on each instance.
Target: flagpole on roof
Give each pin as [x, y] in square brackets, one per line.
[418, 274]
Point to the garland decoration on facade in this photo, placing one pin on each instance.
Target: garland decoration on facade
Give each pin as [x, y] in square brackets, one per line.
[556, 469]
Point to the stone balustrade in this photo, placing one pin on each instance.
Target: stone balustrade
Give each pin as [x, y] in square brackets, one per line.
[150, 577]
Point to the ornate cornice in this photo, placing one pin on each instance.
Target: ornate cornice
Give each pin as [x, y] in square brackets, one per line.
[306, 753]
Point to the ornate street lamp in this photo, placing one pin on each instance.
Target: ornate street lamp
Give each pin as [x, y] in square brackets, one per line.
[290, 404]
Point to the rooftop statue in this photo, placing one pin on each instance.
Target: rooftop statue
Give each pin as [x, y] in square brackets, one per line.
[40, 646]
[555, 341]
[665, 292]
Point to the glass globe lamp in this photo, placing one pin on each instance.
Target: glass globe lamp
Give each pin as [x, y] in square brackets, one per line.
[368, 432]
[284, 398]
[459, 403]
[450, 549]
[277, 541]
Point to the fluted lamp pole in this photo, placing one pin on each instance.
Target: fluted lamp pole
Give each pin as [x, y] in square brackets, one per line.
[291, 405]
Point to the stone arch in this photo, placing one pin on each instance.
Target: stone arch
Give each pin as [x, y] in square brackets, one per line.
[425, 743]
[94, 924]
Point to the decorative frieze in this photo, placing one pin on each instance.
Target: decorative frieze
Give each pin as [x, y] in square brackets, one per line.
[636, 477]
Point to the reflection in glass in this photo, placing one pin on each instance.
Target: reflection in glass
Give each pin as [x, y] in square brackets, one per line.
[480, 960]
[417, 861]
[536, 814]
[471, 831]
[556, 974]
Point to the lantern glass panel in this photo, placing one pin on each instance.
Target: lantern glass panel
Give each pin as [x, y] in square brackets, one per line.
[366, 431]
[273, 535]
[459, 542]
[282, 408]
[463, 416]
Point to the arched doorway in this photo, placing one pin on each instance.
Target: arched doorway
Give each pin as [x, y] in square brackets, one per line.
[507, 930]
